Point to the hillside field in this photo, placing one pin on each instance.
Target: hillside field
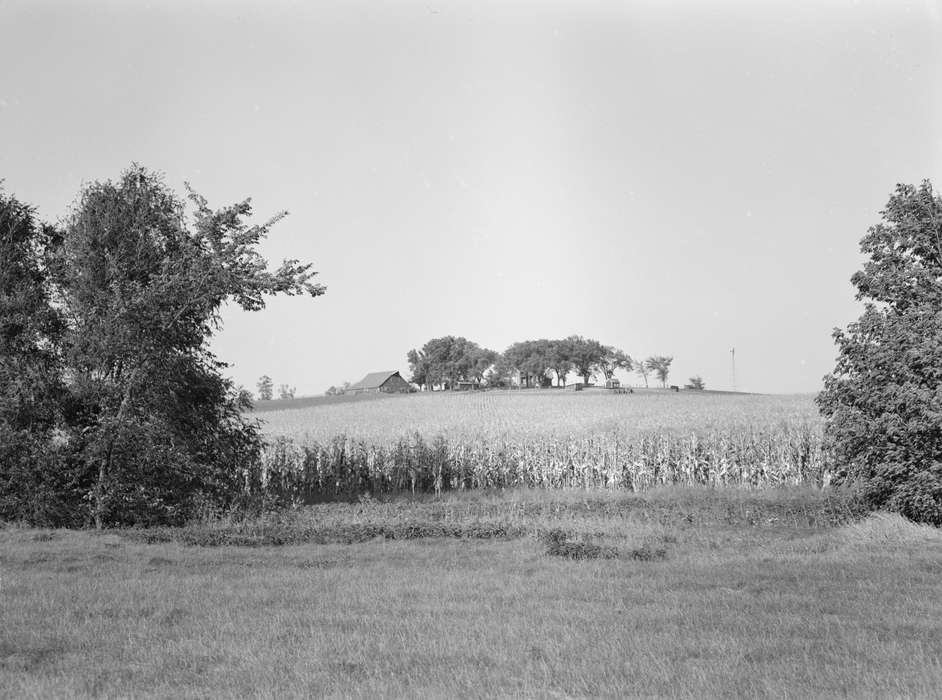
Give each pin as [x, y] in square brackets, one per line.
[533, 412]
[543, 438]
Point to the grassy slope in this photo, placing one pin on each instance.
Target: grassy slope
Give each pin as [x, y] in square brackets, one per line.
[759, 596]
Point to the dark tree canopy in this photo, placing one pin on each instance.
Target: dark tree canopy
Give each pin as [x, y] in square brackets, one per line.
[531, 359]
[586, 355]
[152, 429]
[446, 361]
[883, 401]
[32, 483]
[443, 361]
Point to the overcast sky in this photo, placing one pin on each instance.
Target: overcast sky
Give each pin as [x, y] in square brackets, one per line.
[673, 178]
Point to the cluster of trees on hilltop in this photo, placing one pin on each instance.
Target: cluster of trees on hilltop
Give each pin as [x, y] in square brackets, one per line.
[113, 410]
[449, 360]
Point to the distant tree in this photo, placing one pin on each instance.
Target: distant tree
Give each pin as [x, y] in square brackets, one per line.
[419, 366]
[883, 402]
[642, 370]
[331, 391]
[345, 388]
[530, 358]
[498, 375]
[696, 383]
[586, 355]
[482, 360]
[559, 357]
[286, 392]
[614, 359]
[448, 360]
[661, 366]
[245, 395]
[265, 388]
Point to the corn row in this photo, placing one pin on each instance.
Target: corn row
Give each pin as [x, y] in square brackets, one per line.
[790, 453]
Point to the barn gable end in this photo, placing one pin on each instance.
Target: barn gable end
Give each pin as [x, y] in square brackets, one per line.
[390, 382]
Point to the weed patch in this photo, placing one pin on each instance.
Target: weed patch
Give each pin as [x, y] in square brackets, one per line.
[28, 657]
[266, 535]
[558, 543]
[648, 553]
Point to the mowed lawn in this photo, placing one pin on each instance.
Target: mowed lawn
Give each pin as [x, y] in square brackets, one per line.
[757, 605]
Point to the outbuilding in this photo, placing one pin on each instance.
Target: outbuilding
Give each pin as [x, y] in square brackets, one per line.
[387, 382]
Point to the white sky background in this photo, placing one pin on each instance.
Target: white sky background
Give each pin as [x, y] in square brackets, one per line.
[670, 178]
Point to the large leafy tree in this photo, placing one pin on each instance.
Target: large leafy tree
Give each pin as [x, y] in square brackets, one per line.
[482, 360]
[883, 401]
[33, 483]
[559, 356]
[157, 426]
[586, 355]
[529, 358]
[419, 366]
[614, 359]
[448, 360]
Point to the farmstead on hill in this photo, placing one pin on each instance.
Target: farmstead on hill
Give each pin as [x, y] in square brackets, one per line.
[388, 382]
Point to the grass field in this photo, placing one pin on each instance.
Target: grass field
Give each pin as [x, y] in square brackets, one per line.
[678, 593]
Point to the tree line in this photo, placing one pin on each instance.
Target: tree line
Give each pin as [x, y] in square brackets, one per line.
[445, 362]
[113, 410]
[266, 389]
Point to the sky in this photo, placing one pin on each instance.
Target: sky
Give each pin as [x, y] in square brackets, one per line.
[672, 178]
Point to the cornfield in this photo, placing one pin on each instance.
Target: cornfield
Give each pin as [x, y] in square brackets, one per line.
[541, 439]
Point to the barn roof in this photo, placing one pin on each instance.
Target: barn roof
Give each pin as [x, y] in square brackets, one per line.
[374, 380]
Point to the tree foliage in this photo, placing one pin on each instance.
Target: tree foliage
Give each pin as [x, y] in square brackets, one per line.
[266, 388]
[586, 355]
[661, 366]
[614, 359]
[443, 361]
[530, 359]
[446, 361]
[33, 480]
[883, 401]
[151, 427]
[643, 371]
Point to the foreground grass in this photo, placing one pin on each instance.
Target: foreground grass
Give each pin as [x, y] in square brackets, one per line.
[758, 595]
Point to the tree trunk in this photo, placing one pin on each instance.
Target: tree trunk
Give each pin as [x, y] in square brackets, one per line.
[104, 466]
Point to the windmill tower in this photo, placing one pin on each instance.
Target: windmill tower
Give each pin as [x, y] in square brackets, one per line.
[732, 368]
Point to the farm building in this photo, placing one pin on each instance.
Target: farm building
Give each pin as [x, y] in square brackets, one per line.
[387, 382]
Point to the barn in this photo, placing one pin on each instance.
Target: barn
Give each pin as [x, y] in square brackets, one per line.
[387, 382]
